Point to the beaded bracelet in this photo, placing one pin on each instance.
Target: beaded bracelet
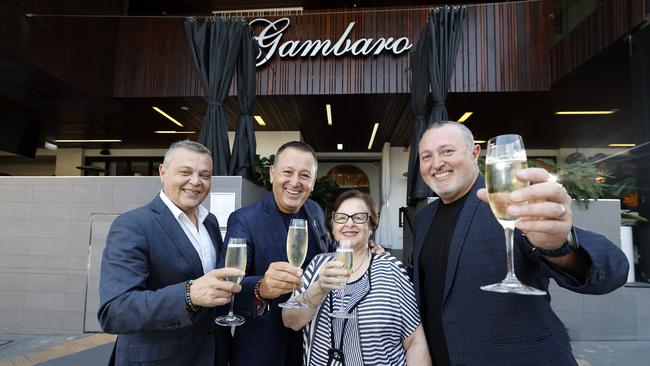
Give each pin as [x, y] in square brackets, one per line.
[188, 299]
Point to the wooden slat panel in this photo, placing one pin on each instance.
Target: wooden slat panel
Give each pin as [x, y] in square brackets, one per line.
[608, 23]
[78, 51]
[153, 58]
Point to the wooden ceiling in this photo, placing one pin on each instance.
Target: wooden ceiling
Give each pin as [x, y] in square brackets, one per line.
[66, 112]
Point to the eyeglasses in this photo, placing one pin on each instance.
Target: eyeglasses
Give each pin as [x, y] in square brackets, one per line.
[357, 218]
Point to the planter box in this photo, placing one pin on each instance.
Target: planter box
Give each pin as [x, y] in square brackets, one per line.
[623, 314]
[603, 217]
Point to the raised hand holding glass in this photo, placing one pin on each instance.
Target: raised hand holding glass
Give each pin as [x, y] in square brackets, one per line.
[235, 258]
[505, 156]
[297, 242]
[345, 255]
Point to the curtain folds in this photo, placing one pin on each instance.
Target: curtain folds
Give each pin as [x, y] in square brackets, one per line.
[242, 161]
[215, 45]
[432, 65]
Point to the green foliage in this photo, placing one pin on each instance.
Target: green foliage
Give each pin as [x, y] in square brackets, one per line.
[325, 190]
[262, 165]
[584, 181]
[481, 164]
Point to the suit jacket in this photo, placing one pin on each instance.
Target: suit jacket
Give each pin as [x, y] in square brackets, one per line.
[145, 265]
[263, 340]
[486, 328]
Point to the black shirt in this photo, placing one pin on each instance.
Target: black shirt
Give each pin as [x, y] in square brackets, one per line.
[433, 270]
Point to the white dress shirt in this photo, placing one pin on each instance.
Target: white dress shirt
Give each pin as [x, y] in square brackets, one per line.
[198, 235]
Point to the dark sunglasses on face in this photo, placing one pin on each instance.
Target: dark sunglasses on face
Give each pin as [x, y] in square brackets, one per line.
[357, 218]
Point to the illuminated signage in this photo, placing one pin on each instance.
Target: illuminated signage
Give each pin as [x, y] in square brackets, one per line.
[270, 42]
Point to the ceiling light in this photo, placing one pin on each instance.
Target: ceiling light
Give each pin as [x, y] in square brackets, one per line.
[339, 146]
[621, 145]
[328, 109]
[479, 141]
[89, 140]
[50, 146]
[464, 117]
[372, 137]
[571, 113]
[184, 108]
[174, 132]
[167, 116]
[259, 120]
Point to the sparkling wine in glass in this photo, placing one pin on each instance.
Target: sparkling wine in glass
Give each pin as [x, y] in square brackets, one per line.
[505, 156]
[235, 258]
[297, 240]
[344, 254]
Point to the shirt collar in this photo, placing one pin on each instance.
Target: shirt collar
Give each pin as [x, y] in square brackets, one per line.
[201, 212]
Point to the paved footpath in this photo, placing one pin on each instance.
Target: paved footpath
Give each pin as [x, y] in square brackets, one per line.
[24, 350]
[95, 349]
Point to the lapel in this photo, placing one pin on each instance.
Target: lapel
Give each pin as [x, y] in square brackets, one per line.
[275, 225]
[314, 224]
[212, 225]
[427, 215]
[460, 232]
[164, 216]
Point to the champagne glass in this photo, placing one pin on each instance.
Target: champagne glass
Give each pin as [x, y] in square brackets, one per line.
[235, 258]
[343, 254]
[505, 156]
[297, 239]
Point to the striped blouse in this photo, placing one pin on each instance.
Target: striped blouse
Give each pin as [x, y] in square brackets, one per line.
[383, 302]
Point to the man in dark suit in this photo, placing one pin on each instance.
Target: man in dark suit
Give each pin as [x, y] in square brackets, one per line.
[159, 286]
[263, 339]
[459, 247]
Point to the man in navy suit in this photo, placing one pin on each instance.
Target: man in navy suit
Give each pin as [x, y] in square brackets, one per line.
[159, 286]
[263, 339]
[459, 247]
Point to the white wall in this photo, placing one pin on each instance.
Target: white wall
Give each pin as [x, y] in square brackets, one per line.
[399, 158]
[67, 161]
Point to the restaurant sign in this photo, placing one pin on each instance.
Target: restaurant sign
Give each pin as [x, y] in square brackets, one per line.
[270, 41]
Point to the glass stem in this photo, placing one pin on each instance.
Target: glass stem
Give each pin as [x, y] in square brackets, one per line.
[343, 305]
[232, 302]
[509, 233]
[292, 298]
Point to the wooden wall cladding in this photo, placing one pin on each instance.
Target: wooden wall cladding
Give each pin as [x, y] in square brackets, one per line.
[504, 48]
[608, 23]
[77, 50]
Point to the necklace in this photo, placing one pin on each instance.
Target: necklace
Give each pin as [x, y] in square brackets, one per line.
[360, 264]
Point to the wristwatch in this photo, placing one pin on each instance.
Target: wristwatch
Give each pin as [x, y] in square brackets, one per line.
[569, 245]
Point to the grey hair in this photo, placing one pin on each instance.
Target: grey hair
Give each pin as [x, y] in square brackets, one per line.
[467, 134]
[187, 145]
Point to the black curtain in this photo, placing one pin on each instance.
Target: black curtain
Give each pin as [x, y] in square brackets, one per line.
[446, 27]
[416, 189]
[215, 46]
[442, 33]
[242, 161]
